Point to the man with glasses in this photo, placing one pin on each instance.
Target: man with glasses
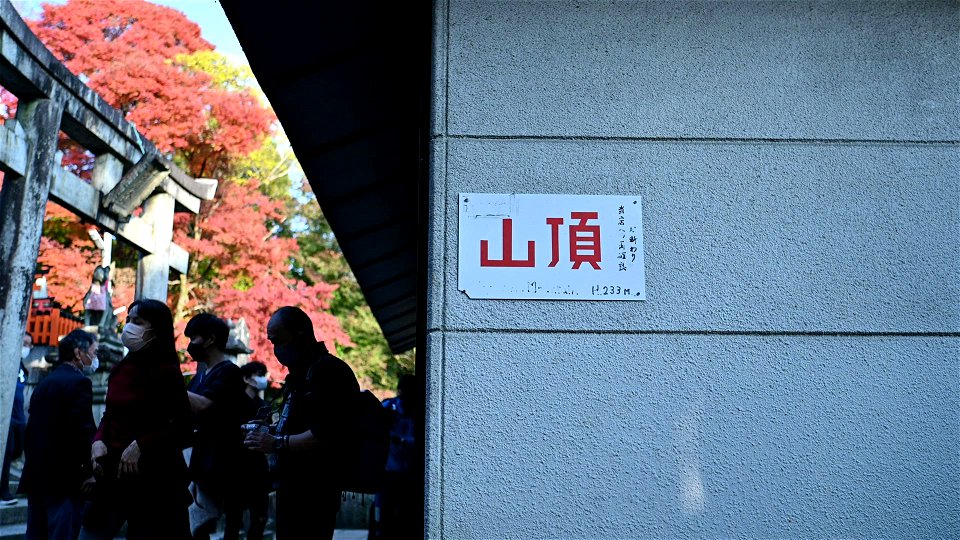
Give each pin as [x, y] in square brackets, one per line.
[58, 468]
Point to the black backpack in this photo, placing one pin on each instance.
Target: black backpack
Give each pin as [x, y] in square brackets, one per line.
[364, 452]
[366, 459]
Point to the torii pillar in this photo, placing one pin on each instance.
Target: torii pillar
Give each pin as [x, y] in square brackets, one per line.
[23, 202]
[153, 271]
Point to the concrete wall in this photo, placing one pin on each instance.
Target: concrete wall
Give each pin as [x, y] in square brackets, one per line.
[795, 369]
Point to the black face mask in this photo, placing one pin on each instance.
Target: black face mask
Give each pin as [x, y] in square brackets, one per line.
[197, 351]
[287, 354]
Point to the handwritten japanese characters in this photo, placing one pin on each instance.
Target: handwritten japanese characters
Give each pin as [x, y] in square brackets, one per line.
[561, 247]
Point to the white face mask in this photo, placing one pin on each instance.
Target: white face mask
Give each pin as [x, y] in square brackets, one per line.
[89, 370]
[24, 352]
[260, 383]
[135, 337]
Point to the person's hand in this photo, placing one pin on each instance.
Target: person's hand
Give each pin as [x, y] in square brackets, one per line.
[129, 460]
[98, 450]
[259, 442]
[88, 486]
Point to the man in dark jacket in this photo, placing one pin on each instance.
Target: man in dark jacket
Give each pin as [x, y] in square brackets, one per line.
[18, 423]
[313, 429]
[217, 399]
[57, 468]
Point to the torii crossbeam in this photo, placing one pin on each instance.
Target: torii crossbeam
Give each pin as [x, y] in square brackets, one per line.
[128, 173]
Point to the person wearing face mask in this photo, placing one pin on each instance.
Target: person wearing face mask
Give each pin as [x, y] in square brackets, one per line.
[313, 428]
[18, 422]
[57, 469]
[217, 400]
[137, 452]
[255, 378]
[252, 471]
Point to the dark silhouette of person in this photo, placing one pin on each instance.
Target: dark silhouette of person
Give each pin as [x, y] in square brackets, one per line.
[18, 423]
[217, 400]
[314, 426]
[142, 478]
[254, 482]
[397, 500]
[57, 469]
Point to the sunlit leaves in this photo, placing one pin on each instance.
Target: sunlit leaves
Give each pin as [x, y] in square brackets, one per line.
[261, 243]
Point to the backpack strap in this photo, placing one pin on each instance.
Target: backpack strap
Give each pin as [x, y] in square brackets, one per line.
[288, 396]
[309, 378]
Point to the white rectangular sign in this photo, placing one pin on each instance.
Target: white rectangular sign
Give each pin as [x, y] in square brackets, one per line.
[551, 247]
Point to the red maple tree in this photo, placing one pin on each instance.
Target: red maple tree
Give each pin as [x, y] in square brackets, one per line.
[124, 51]
[241, 267]
[129, 52]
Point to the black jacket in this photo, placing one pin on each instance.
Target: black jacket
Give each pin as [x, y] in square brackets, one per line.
[218, 440]
[318, 398]
[60, 430]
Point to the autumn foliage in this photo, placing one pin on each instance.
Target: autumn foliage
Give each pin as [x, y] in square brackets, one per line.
[123, 51]
[230, 240]
[128, 52]
[149, 62]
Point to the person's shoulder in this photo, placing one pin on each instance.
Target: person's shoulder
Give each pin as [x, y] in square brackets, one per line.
[224, 375]
[152, 361]
[323, 359]
[67, 376]
[76, 377]
[226, 370]
[337, 365]
[330, 370]
[45, 383]
[227, 375]
[167, 371]
[231, 368]
[336, 361]
[63, 371]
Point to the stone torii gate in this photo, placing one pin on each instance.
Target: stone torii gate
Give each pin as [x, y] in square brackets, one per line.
[128, 173]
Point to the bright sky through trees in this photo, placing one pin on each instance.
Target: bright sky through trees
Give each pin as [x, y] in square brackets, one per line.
[208, 14]
[263, 241]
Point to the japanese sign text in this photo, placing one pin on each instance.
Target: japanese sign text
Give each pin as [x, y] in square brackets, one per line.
[561, 247]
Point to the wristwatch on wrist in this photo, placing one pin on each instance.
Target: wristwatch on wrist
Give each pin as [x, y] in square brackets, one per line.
[281, 443]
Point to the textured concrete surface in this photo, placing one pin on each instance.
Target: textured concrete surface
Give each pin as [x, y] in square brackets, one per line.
[617, 436]
[785, 69]
[742, 237]
[438, 99]
[794, 370]
[439, 235]
[434, 507]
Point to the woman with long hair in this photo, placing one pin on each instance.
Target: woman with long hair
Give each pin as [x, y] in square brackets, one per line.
[137, 451]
